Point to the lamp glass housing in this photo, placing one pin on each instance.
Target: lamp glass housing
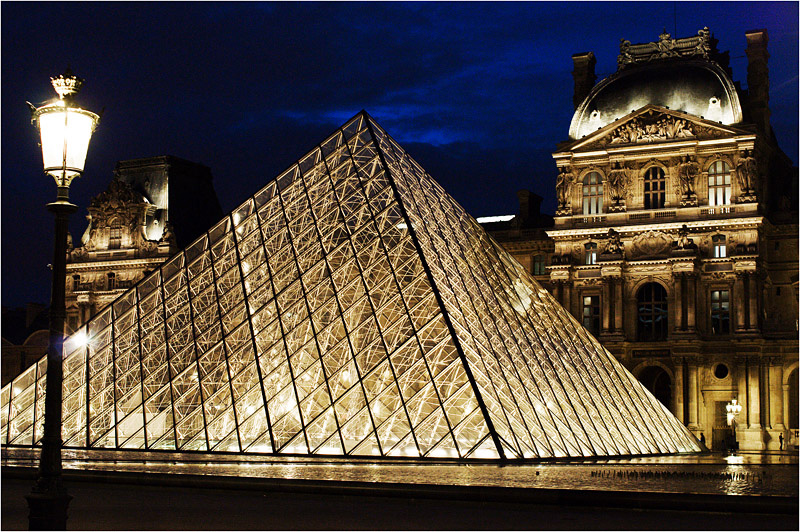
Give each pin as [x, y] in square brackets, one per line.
[65, 133]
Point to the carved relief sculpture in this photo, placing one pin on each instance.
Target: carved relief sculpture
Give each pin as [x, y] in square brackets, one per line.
[661, 127]
[651, 245]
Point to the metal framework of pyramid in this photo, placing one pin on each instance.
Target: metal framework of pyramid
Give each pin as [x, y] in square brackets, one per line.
[350, 307]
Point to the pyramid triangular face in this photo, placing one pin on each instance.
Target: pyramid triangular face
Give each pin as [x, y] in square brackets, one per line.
[351, 307]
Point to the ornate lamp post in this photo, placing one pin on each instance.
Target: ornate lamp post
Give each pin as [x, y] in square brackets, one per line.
[733, 408]
[65, 131]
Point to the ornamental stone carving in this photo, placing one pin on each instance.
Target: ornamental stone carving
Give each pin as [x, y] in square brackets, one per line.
[651, 128]
[650, 245]
[665, 47]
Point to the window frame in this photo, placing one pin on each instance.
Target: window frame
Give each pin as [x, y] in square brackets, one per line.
[655, 198]
[594, 309]
[592, 193]
[715, 188]
[590, 254]
[539, 267]
[719, 314]
[719, 246]
[657, 310]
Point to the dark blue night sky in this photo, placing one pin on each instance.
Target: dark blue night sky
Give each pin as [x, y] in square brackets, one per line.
[478, 93]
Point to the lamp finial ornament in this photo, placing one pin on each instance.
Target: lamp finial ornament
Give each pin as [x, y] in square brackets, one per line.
[67, 83]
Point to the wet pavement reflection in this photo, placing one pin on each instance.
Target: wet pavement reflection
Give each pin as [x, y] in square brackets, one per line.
[742, 474]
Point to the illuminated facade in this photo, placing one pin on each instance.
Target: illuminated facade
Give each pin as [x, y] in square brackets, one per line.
[676, 240]
[350, 307]
[152, 208]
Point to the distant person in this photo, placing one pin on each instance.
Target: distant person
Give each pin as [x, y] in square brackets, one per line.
[780, 439]
[702, 438]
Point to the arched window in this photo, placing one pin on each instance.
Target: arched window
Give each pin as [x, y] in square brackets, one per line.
[655, 187]
[652, 310]
[592, 193]
[719, 183]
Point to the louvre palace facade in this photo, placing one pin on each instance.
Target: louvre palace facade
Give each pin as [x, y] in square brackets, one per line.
[675, 240]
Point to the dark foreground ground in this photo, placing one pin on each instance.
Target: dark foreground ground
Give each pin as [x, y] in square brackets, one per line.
[98, 505]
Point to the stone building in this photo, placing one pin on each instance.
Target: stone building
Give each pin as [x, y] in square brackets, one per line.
[676, 237]
[152, 208]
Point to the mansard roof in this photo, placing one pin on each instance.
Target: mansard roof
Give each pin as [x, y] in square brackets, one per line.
[680, 74]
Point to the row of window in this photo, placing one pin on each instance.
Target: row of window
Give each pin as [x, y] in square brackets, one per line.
[655, 188]
[652, 313]
[719, 249]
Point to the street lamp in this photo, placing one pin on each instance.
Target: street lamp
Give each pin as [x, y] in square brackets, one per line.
[65, 131]
[733, 409]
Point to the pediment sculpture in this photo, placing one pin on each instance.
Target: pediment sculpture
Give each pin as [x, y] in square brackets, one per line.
[660, 127]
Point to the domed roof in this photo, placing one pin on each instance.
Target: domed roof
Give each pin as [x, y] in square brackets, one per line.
[695, 85]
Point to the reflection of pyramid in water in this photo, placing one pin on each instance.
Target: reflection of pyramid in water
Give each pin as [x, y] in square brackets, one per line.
[349, 307]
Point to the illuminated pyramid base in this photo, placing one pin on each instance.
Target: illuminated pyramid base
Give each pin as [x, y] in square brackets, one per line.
[350, 307]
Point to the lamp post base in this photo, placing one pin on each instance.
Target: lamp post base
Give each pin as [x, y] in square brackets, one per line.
[48, 509]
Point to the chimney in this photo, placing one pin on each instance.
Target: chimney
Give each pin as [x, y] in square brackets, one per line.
[32, 311]
[530, 205]
[584, 76]
[758, 77]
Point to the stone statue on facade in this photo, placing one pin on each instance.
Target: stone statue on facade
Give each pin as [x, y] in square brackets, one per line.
[688, 170]
[168, 237]
[746, 173]
[684, 246]
[617, 180]
[563, 186]
[614, 245]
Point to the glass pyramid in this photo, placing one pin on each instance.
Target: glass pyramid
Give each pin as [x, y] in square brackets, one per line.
[350, 307]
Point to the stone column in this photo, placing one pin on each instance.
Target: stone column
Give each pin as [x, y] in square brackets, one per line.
[691, 301]
[785, 389]
[776, 394]
[692, 394]
[618, 326]
[677, 406]
[739, 302]
[568, 299]
[753, 291]
[753, 395]
[605, 303]
[679, 314]
[741, 388]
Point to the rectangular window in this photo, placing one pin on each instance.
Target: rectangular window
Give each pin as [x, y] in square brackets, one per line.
[590, 256]
[719, 184]
[539, 265]
[720, 251]
[720, 312]
[591, 314]
[115, 237]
